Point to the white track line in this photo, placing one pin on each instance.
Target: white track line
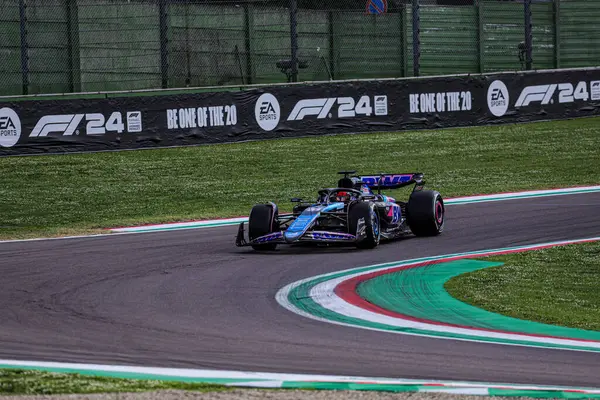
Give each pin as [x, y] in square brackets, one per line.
[260, 378]
[215, 223]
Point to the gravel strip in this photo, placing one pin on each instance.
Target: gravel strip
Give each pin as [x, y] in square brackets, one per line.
[254, 394]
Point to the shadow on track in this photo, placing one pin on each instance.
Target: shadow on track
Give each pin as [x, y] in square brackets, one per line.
[312, 248]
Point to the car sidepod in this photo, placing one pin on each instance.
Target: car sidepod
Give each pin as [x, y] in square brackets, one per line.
[306, 220]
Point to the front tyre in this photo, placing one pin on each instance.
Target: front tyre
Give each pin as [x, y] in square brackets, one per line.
[364, 214]
[425, 213]
[262, 221]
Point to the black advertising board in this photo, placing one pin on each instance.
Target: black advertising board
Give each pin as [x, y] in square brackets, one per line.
[116, 123]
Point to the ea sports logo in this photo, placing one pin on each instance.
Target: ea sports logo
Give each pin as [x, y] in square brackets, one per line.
[6, 123]
[10, 127]
[267, 111]
[267, 108]
[497, 98]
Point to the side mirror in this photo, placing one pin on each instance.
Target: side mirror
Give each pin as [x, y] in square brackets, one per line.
[296, 200]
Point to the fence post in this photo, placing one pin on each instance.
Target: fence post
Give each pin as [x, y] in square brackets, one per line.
[416, 19]
[331, 45]
[402, 28]
[248, 24]
[556, 33]
[294, 38]
[73, 46]
[24, 46]
[528, 35]
[164, 54]
[480, 48]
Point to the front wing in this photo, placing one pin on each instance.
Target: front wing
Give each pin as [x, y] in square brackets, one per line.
[308, 236]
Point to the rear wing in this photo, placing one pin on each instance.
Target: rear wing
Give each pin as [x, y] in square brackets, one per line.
[392, 181]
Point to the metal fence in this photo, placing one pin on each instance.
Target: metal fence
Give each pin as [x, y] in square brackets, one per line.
[59, 46]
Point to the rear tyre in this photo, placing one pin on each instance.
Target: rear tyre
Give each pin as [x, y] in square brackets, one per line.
[262, 221]
[367, 212]
[425, 213]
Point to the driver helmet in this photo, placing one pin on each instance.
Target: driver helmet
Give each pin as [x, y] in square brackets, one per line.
[342, 196]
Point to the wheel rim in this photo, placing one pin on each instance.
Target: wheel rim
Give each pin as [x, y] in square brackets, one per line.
[375, 224]
[439, 212]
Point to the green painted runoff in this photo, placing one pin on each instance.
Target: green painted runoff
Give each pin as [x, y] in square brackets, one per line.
[556, 286]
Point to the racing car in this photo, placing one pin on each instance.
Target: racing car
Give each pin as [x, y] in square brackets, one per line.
[351, 213]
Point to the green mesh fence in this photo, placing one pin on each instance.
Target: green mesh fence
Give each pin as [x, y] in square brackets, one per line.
[579, 33]
[119, 45]
[10, 48]
[58, 46]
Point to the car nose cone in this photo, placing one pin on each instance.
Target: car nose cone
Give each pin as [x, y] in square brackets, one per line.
[291, 236]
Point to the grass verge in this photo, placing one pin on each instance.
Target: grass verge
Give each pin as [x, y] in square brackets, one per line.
[556, 286]
[32, 382]
[80, 193]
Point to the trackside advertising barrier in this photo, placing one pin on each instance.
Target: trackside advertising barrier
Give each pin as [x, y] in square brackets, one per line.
[114, 123]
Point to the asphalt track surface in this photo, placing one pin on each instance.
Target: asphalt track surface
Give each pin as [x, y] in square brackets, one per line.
[192, 299]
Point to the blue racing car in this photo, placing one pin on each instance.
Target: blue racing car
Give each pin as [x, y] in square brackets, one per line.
[351, 213]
